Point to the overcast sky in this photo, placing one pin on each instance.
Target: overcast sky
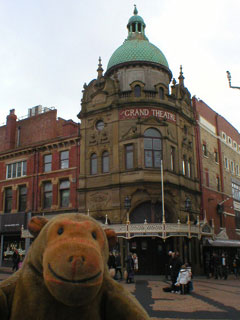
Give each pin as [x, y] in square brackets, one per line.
[50, 48]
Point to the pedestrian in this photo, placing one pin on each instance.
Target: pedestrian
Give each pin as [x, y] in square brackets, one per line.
[216, 266]
[112, 264]
[183, 279]
[236, 266]
[176, 266]
[130, 268]
[135, 260]
[224, 269]
[168, 265]
[16, 259]
[118, 266]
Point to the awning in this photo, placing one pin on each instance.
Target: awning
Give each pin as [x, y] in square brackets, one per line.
[224, 243]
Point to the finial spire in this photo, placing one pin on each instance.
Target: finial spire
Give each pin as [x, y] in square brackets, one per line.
[100, 69]
[181, 77]
[135, 12]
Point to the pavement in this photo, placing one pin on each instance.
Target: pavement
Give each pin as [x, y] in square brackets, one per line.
[210, 299]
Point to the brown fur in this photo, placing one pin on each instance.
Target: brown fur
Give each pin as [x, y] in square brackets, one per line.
[65, 276]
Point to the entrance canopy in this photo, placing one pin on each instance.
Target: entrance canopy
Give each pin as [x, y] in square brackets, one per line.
[224, 243]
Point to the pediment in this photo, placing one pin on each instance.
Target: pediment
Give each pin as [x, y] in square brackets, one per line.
[99, 98]
[153, 121]
[222, 235]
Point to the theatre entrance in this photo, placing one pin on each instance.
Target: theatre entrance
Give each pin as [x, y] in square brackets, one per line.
[152, 254]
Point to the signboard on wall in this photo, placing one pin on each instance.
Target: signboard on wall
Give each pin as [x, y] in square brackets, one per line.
[143, 113]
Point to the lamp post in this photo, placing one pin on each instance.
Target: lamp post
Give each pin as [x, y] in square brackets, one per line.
[188, 207]
[127, 206]
[229, 81]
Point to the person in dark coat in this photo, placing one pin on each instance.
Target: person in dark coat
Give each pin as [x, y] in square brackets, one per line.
[118, 266]
[216, 266]
[16, 259]
[111, 261]
[130, 268]
[176, 266]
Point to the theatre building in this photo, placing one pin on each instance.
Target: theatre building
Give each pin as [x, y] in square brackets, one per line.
[138, 155]
[39, 166]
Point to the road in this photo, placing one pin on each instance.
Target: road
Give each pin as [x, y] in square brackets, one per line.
[211, 299]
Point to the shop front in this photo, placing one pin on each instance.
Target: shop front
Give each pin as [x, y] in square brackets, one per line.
[11, 225]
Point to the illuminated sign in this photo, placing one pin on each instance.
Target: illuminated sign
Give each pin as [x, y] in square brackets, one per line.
[135, 113]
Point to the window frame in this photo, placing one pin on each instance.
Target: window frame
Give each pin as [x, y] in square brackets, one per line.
[64, 161]
[47, 192]
[105, 157]
[8, 199]
[47, 163]
[129, 152]
[151, 153]
[12, 169]
[93, 164]
[62, 190]
[22, 198]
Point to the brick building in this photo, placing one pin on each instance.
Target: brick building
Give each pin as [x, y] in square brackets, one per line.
[219, 161]
[39, 168]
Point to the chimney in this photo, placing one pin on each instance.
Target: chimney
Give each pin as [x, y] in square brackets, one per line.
[11, 129]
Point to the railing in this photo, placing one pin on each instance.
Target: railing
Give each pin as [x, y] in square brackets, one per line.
[162, 230]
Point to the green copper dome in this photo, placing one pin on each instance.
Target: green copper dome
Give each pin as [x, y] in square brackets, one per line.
[137, 47]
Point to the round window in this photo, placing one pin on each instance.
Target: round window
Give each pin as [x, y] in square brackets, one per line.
[100, 125]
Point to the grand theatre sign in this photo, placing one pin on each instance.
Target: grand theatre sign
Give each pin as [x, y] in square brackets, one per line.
[135, 113]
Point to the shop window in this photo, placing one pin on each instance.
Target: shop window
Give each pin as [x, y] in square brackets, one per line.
[137, 91]
[129, 156]
[8, 200]
[64, 193]
[47, 162]
[47, 195]
[105, 162]
[16, 169]
[64, 159]
[22, 198]
[93, 164]
[152, 148]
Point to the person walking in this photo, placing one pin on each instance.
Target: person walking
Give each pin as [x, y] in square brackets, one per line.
[118, 266]
[183, 279]
[16, 260]
[130, 268]
[216, 265]
[224, 268]
[176, 266]
[112, 264]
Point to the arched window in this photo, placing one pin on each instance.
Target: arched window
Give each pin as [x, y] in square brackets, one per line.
[152, 148]
[93, 164]
[161, 93]
[105, 162]
[137, 91]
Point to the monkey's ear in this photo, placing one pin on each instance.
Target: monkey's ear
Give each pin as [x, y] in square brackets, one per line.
[36, 224]
[112, 238]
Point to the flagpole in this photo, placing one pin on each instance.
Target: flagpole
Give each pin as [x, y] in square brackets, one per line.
[163, 209]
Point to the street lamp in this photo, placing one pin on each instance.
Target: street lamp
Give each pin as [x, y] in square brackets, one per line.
[188, 207]
[127, 206]
[229, 81]
[188, 204]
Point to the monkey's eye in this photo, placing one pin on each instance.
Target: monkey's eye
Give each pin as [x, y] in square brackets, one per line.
[60, 230]
[94, 235]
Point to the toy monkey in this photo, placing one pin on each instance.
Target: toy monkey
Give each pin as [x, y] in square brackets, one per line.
[65, 275]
